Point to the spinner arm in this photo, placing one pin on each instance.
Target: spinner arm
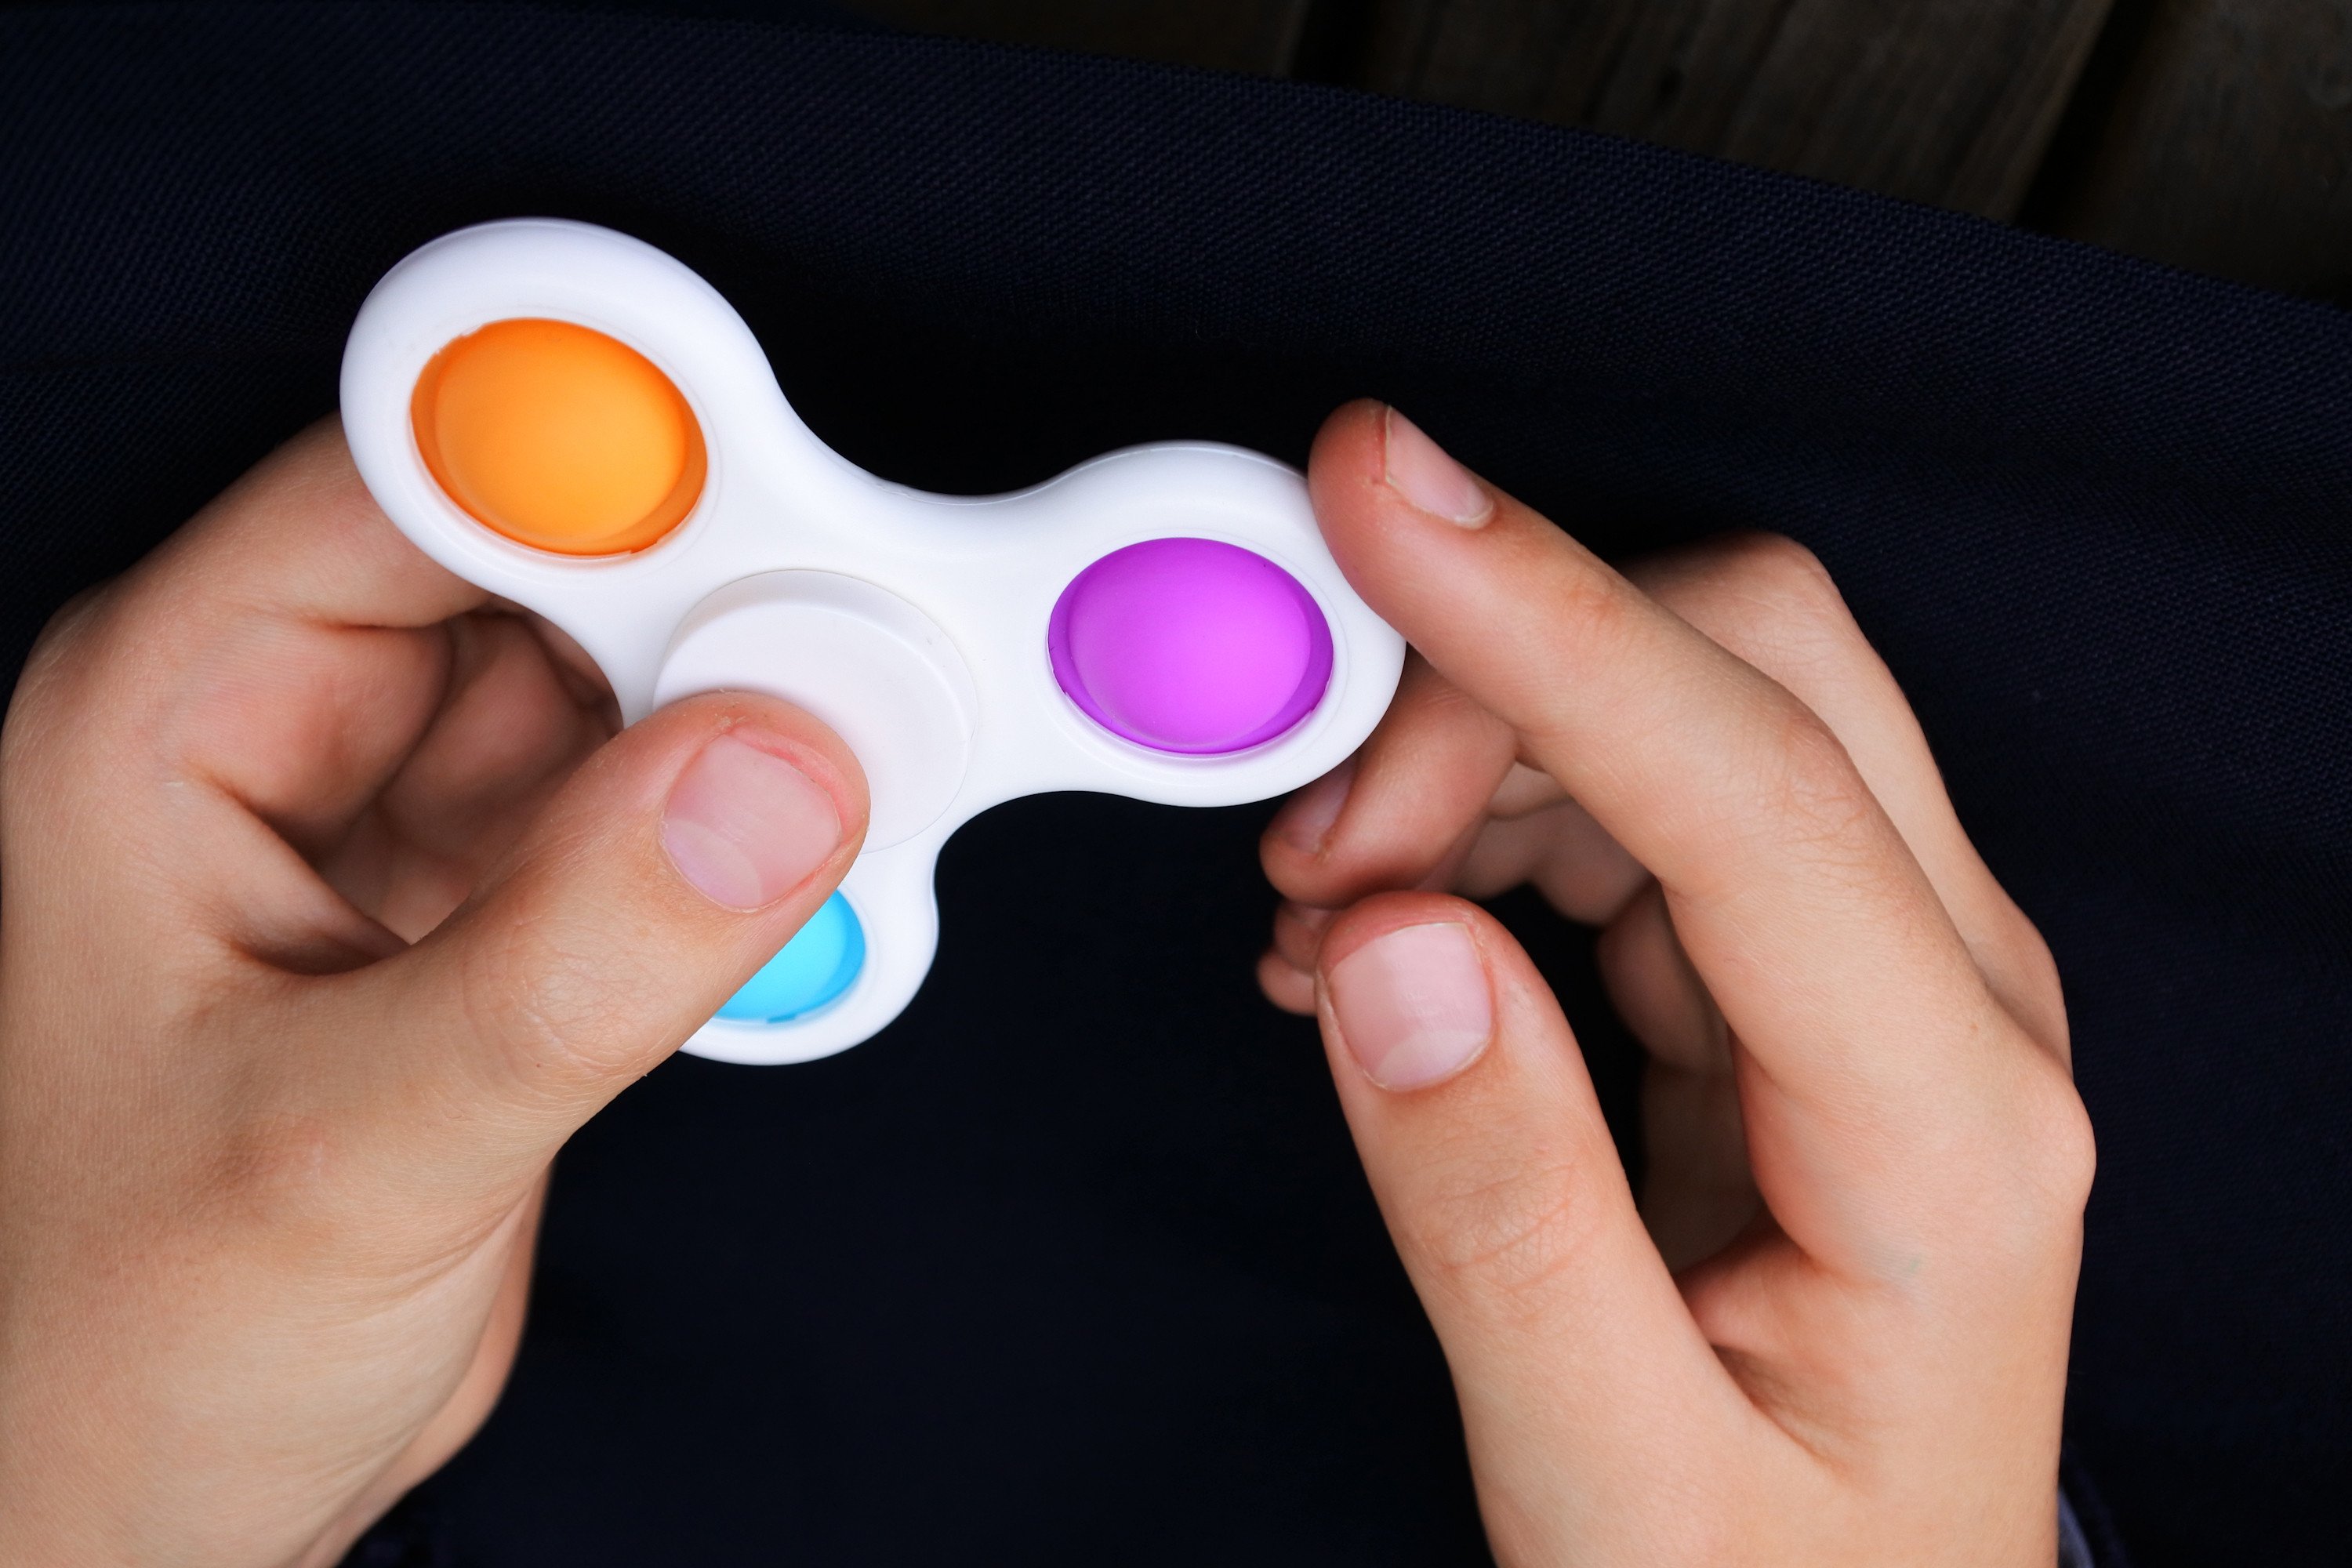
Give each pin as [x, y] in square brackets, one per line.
[575, 422]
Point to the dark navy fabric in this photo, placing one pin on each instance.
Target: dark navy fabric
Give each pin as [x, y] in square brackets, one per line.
[1074, 1263]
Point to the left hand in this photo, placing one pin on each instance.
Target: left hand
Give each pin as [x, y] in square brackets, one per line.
[335, 905]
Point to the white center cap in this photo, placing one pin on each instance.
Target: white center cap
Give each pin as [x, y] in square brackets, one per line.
[873, 667]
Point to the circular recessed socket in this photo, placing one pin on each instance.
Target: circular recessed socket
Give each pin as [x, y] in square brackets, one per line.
[864, 661]
[1190, 645]
[559, 438]
[810, 973]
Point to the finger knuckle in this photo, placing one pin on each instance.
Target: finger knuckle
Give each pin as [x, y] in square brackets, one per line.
[2030, 983]
[1807, 785]
[2061, 1153]
[283, 1178]
[1578, 619]
[2030, 1159]
[1602, 609]
[1772, 602]
[1776, 578]
[275, 1154]
[1559, 600]
[1505, 1231]
[543, 1003]
[43, 692]
[1778, 565]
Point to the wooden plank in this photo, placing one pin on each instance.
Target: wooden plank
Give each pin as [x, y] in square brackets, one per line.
[2226, 146]
[1949, 101]
[1257, 35]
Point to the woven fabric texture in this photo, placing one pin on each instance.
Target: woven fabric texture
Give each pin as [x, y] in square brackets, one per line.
[1074, 1263]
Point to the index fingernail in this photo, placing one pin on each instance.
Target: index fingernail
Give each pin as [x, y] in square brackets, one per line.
[1418, 468]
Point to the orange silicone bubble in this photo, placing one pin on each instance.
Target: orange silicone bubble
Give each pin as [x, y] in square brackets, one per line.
[559, 438]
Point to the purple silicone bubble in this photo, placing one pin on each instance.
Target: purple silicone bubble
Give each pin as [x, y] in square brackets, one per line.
[1190, 645]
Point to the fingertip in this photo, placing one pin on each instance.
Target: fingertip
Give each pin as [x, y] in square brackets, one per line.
[1372, 455]
[746, 824]
[1428, 477]
[679, 737]
[1306, 823]
[1343, 484]
[1412, 997]
[1399, 813]
[1298, 932]
[670, 866]
[1494, 1168]
[300, 535]
[1348, 447]
[1287, 987]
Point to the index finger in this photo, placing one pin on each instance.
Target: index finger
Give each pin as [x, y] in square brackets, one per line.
[1885, 1073]
[239, 649]
[280, 653]
[299, 537]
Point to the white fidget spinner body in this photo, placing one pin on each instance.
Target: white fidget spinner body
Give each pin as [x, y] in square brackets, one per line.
[1164, 623]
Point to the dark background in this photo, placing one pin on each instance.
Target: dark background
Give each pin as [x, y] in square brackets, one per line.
[2213, 134]
[1074, 1264]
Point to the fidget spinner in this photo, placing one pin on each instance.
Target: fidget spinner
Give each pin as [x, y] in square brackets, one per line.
[571, 419]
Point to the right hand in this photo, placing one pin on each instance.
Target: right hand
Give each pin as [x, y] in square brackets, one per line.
[1841, 1336]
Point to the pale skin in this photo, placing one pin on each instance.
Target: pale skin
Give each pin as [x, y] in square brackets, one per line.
[1834, 1328]
[334, 904]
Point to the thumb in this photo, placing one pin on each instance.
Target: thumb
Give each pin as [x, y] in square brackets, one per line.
[1479, 1129]
[675, 862]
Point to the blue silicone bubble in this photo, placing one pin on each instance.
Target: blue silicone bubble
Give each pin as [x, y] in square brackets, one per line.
[814, 969]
